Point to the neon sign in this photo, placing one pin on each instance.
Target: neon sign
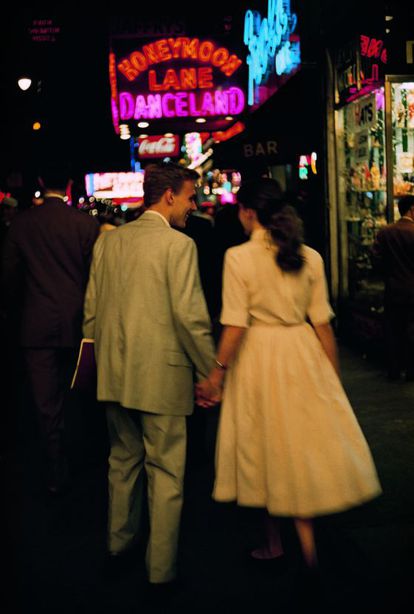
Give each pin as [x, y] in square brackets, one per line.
[181, 104]
[158, 146]
[305, 162]
[273, 47]
[115, 185]
[178, 48]
[176, 78]
[373, 48]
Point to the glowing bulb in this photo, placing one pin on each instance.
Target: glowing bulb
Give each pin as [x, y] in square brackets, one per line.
[37, 126]
[143, 124]
[200, 120]
[24, 83]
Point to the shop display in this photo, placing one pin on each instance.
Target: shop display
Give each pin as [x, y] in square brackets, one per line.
[403, 138]
[362, 164]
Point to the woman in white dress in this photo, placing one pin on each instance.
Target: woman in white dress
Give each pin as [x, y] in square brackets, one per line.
[288, 440]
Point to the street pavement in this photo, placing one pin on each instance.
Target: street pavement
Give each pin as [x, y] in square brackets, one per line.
[53, 550]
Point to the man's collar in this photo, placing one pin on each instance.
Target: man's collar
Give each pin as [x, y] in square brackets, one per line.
[166, 222]
[54, 195]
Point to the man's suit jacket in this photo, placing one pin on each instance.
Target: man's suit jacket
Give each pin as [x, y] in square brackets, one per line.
[46, 262]
[145, 308]
[393, 252]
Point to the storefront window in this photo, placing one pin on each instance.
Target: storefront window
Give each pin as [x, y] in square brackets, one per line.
[361, 155]
[402, 140]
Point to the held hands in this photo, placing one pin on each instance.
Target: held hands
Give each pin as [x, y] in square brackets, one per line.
[208, 393]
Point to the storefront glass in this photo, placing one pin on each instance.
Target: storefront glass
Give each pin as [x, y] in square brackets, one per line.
[402, 140]
[361, 153]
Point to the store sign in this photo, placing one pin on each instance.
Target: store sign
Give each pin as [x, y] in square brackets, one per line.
[307, 165]
[44, 31]
[115, 185]
[176, 78]
[158, 146]
[360, 66]
[274, 49]
[260, 148]
[363, 113]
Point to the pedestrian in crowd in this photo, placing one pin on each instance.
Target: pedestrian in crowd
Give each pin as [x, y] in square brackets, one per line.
[147, 313]
[288, 440]
[393, 252]
[46, 261]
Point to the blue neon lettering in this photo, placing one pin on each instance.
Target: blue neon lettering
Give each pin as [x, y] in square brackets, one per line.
[268, 42]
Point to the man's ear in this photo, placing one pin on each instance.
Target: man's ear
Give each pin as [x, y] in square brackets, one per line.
[169, 195]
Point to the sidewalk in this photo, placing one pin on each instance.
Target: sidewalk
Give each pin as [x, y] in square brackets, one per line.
[54, 550]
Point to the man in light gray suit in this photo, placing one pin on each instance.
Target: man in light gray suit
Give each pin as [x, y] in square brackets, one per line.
[145, 308]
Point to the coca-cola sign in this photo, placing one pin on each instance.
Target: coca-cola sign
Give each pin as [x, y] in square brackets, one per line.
[158, 146]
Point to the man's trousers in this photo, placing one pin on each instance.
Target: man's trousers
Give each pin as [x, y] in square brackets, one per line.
[157, 444]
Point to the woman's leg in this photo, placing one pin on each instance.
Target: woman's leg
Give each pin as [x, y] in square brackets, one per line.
[273, 547]
[304, 529]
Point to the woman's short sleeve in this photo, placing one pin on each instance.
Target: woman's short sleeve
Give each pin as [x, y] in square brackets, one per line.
[235, 310]
[320, 310]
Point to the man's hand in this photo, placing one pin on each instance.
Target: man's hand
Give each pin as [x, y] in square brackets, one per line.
[207, 395]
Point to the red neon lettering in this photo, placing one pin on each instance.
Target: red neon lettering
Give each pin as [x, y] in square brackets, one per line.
[220, 57]
[139, 61]
[364, 44]
[188, 78]
[205, 51]
[231, 66]
[127, 70]
[189, 48]
[162, 49]
[151, 53]
[171, 80]
[374, 48]
[205, 77]
[175, 45]
[152, 81]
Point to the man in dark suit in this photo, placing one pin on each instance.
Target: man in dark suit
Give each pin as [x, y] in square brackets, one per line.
[393, 251]
[46, 262]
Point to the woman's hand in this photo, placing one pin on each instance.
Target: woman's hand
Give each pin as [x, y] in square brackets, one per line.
[208, 393]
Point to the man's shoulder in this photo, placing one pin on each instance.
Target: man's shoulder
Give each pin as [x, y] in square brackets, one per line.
[23, 220]
[396, 228]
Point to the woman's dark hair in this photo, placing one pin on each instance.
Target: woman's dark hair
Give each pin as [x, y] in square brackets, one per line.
[285, 226]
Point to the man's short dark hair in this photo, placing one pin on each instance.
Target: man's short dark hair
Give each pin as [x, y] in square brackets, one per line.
[55, 177]
[405, 203]
[163, 175]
